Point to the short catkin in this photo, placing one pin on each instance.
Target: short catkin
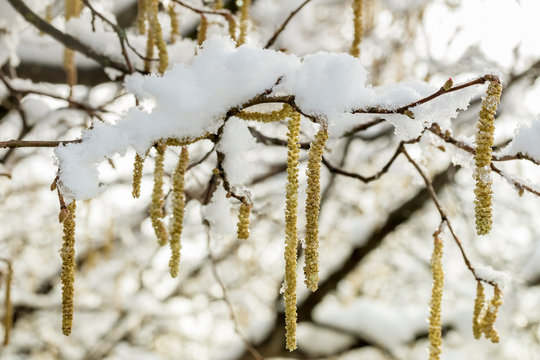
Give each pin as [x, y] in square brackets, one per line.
[67, 276]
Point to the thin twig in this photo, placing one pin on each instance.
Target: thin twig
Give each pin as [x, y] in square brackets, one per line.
[444, 217]
[284, 25]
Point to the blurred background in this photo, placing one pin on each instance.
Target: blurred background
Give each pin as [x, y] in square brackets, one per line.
[373, 301]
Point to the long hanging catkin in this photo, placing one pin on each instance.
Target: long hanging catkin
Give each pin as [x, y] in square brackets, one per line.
[482, 158]
[154, 30]
[488, 322]
[138, 165]
[479, 303]
[67, 276]
[156, 207]
[313, 199]
[357, 19]
[291, 234]
[178, 204]
[72, 8]
[435, 323]
[244, 21]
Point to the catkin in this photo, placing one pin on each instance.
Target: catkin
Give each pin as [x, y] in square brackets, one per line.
[149, 51]
[244, 21]
[232, 27]
[67, 276]
[137, 176]
[203, 28]
[243, 221]
[72, 8]
[313, 172]
[357, 19]
[156, 207]
[8, 306]
[175, 26]
[291, 235]
[141, 17]
[273, 116]
[488, 322]
[479, 303]
[435, 323]
[178, 205]
[154, 30]
[482, 158]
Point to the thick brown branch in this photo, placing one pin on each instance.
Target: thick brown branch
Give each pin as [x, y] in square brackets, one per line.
[64, 38]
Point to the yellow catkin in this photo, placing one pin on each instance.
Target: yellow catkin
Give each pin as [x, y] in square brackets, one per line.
[244, 21]
[67, 276]
[72, 8]
[435, 323]
[141, 17]
[218, 5]
[156, 207]
[313, 199]
[184, 141]
[488, 322]
[175, 26]
[149, 51]
[8, 306]
[203, 28]
[291, 234]
[479, 303]
[243, 221]
[357, 19]
[152, 9]
[273, 116]
[178, 205]
[482, 158]
[137, 175]
[232, 27]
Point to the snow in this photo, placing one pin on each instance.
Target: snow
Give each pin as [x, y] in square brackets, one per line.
[219, 214]
[526, 140]
[488, 273]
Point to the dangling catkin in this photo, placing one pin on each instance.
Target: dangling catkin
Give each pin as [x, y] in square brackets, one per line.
[357, 18]
[141, 17]
[488, 322]
[175, 26]
[482, 158]
[156, 207]
[291, 235]
[435, 323]
[67, 276]
[178, 205]
[72, 8]
[479, 303]
[203, 28]
[149, 50]
[137, 176]
[244, 21]
[152, 9]
[313, 172]
[243, 221]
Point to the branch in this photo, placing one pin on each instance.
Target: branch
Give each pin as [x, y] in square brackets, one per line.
[444, 217]
[282, 27]
[64, 38]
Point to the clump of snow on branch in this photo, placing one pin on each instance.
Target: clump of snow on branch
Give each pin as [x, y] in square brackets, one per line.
[526, 140]
[488, 273]
[189, 101]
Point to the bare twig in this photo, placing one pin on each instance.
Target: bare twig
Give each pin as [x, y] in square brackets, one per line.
[274, 37]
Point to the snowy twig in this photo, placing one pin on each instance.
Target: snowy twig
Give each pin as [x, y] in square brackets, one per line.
[444, 217]
[226, 14]
[66, 39]
[272, 40]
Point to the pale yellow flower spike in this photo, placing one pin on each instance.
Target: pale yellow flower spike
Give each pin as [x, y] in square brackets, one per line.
[482, 158]
[435, 323]
[155, 26]
[243, 221]
[67, 276]
[273, 116]
[218, 5]
[8, 306]
[488, 322]
[175, 26]
[357, 11]
[311, 266]
[137, 176]
[178, 204]
[149, 51]
[156, 207]
[244, 21]
[291, 235]
[141, 16]
[479, 303]
[72, 8]
[203, 28]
